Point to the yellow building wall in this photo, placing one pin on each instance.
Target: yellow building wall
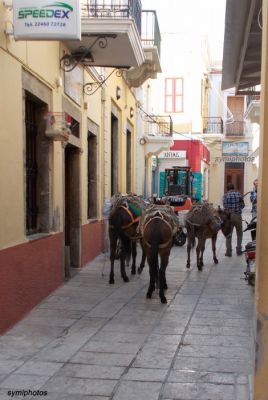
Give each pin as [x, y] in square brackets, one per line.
[11, 153]
[41, 60]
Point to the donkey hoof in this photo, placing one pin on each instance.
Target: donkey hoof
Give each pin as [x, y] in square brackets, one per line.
[188, 265]
[165, 286]
[133, 272]
[139, 270]
[200, 267]
[163, 300]
[111, 280]
[216, 261]
[149, 295]
[125, 278]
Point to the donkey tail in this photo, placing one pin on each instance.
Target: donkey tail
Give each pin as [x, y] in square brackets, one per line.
[191, 234]
[155, 241]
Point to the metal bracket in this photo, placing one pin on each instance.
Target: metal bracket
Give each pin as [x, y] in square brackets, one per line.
[91, 87]
[83, 54]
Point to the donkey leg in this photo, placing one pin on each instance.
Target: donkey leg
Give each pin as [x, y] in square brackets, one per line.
[143, 259]
[113, 244]
[151, 287]
[123, 269]
[213, 242]
[198, 261]
[111, 278]
[202, 249]
[162, 276]
[134, 255]
[201, 256]
[188, 253]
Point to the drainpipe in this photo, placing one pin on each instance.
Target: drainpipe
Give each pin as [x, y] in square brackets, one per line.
[145, 177]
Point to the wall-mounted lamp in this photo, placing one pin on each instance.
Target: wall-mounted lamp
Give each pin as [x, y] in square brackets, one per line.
[131, 112]
[118, 92]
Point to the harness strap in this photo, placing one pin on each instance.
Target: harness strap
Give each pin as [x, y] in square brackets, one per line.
[163, 245]
[133, 220]
[192, 223]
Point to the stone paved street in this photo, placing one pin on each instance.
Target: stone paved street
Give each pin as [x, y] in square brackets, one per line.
[91, 340]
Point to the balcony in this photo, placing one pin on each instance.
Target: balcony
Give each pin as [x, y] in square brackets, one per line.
[235, 128]
[213, 125]
[110, 34]
[158, 132]
[151, 40]
[253, 108]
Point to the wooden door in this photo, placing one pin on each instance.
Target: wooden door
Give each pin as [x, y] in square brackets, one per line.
[236, 106]
[234, 173]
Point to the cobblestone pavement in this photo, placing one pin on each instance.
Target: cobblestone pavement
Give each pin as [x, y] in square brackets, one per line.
[91, 340]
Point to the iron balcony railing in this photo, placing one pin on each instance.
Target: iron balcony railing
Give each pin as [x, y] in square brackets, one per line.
[213, 125]
[235, 128]
[252, 97]
[157, 125]
[113, 9]
[150, 32]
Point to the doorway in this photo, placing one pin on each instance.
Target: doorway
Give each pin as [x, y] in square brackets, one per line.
[128, 161]
[234, 173]
[37, 167]
[72, 219]
[114, 154]
[236, 106]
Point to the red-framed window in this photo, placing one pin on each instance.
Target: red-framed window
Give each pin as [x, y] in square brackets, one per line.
[174, 95]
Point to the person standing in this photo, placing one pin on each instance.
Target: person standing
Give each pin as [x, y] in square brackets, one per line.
[253, 198]
[233, 202]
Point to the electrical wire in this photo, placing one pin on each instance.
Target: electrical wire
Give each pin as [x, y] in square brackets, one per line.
[260, 19]
[184, 134]
[188, 135]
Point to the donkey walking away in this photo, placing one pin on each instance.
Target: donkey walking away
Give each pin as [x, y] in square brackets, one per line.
[158, 228]
[124, 219]
[203, 222]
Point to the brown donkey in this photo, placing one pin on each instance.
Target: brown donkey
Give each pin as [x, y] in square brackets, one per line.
[204, 222]
[158, 228]
[124, 219]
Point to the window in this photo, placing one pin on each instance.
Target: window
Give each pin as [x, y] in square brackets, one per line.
[37, 167]
[92, 175]
[174, 95]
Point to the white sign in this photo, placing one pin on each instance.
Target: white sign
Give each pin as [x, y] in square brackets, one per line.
[173, 154]
[46, 20]
[234, 148]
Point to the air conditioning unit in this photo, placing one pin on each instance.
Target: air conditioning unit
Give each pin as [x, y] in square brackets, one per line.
[58, 126]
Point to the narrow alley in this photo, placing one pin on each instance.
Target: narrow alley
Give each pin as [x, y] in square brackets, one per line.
[91, 340]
